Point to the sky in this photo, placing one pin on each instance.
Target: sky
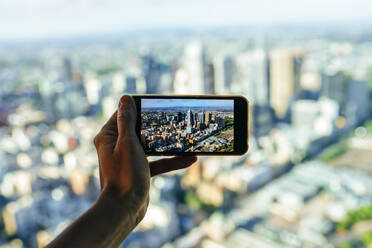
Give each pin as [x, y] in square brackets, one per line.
[164, 103]
[35, 19]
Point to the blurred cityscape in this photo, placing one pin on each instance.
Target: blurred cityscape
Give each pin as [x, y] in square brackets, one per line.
[306, 180]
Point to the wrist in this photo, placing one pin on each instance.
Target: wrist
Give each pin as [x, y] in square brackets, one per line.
[114, 198]
[111, 195]
[126, 207]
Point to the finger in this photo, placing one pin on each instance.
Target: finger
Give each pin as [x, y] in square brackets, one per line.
[170, 164]
[111, 125]
[127, 117]
[108, 133]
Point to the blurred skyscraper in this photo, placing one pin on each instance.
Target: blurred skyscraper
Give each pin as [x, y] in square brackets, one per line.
[285, 70]
[118, 84]
[252, 79]
[252, 75]
[261, 118]
[151, 73]
[224, 69]
[357, 97]
[131, 87]
[210, 87]
[334, 86]
[67, 68]
[194, 76]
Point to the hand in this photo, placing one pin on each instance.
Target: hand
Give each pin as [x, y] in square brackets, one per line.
[124, 170]
[125, 180]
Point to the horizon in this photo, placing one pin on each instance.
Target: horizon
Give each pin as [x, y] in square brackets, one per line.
[41, 19]
[186, 103]
[112, 35]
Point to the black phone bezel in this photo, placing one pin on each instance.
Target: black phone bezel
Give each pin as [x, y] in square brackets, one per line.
[241, 108]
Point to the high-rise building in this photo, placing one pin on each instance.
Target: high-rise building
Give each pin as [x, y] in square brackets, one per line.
[351, 95]
[131, 85]
[92, 88]
[357, 101]
[180, 83]
[118, 84]
[67, 67]
[223, 74]
[191, 78]
[261, 120]
[196, 118]
[179, 116]
[285, 72]
[151, 72]
[202, 117]
[334, 86]
[207, 118]
[190, 118]
[210, 79]
[141, 85]
[252, 76]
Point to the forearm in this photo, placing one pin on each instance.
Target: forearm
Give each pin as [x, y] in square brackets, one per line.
[106, 224]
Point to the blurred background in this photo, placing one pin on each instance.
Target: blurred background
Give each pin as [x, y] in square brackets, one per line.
[305, 66]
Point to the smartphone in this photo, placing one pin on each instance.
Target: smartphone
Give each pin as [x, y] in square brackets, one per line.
[192, 124]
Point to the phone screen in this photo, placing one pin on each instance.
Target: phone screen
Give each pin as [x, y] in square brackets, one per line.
[175, 125]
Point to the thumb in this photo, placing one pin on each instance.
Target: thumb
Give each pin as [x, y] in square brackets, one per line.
[126, 117]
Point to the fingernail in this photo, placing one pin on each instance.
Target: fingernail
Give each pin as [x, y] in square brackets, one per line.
[122, 102]
[126, 99]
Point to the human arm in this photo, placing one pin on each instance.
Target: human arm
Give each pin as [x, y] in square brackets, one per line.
[125, 180]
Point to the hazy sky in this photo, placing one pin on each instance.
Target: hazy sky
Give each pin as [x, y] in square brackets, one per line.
[162, 103]
[21, 19]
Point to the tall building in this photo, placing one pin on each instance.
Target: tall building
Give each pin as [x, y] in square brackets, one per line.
[210, 87]
[179, 116]
[151, 72]
[285, 72]
[357, 101]
[223, 74]
[92, 88]
[141, 85]
[118, 84]
[207, 118]
[261, 120]
[131, 87]
[192, 77]
[351, 95]
[202, 117]
[190, 118]
[122, 83]
[190, 121]
[252, 76]
[173, 68]
[334, 86]
[180, 82]
[196, 118]
[67, 67]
